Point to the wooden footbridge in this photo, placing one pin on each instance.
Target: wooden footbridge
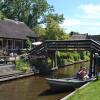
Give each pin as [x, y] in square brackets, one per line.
[49, 48]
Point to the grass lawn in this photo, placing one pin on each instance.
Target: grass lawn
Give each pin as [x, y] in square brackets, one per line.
[90, 92]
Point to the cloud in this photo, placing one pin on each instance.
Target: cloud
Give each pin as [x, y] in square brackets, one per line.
[87, 20]
[71, 22]
[79, 22]
[90, 10]
[80, 25]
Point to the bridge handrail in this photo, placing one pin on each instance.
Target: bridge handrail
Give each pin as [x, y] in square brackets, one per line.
[85, 43]
[67, 43]
[37, 48]
[95, 45]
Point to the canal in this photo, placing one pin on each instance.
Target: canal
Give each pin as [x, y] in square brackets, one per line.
[35, 87]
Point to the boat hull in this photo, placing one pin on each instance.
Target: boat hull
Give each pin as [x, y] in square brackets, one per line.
[65, 83]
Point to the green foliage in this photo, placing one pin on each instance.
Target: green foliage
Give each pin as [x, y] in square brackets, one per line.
[40, 32]
[1, 16]
[58, 18]
[22, 65]
[29, 43]
[76, 56]
[52, 30]
[29, 11]
[84, 55]
[73, 56]
[60, 58]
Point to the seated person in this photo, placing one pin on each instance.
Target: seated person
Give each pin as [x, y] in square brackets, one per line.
[86, 77]
[82, 74]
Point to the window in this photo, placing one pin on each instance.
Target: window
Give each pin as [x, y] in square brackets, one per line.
[18, 44]
[10, 44]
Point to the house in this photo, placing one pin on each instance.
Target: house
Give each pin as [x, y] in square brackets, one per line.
[85, 36]
[14, 35]
[94, 37]
[79, 36]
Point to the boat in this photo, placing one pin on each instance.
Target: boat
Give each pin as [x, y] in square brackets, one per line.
[65, 83]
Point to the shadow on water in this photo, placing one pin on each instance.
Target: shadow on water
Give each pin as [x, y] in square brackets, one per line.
[54, 92]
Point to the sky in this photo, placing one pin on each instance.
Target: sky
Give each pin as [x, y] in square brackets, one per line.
[81, 16]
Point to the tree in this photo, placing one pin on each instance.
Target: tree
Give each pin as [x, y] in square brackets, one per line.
[53, 29]
[58, 18]
[40, 32]
[29, 11]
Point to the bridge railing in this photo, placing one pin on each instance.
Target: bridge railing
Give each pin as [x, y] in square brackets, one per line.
[37, 49]
[95, 45]
[56, 44]
[69, 44]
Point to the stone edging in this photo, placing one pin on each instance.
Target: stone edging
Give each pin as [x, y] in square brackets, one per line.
[13, 77]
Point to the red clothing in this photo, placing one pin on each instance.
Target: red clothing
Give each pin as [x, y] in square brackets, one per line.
[82, 73]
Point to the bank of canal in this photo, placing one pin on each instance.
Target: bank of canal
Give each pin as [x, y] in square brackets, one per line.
[35, 87]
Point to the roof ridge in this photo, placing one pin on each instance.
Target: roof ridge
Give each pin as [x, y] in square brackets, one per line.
[15, 21]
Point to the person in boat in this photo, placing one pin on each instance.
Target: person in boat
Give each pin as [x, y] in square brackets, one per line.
[82, 74]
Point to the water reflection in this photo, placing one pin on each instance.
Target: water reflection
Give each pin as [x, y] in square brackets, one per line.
[35, 88]
[70, 71]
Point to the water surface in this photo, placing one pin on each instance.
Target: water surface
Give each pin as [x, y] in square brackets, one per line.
[36, 87]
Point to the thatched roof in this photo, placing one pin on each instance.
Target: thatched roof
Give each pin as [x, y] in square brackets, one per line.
[15, 29]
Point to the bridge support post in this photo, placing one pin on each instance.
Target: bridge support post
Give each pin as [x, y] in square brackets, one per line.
[56, 66]
[94, 72]
[54, 60]
[91, 64]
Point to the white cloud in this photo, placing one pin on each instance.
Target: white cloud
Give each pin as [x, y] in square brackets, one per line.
[88, 22]
[79, 22]
[71, 22]
[82, 26]
[91, 10]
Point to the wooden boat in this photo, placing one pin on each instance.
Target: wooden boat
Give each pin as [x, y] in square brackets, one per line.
[65, 83]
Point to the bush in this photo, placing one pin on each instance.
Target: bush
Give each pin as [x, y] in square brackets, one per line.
[22, 65]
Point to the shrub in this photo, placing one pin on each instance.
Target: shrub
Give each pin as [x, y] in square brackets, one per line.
[22, 65]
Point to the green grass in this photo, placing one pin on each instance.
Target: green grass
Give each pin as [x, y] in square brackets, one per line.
[90, 92]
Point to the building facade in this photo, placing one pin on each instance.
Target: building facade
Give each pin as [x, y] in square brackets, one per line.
[14, 35]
